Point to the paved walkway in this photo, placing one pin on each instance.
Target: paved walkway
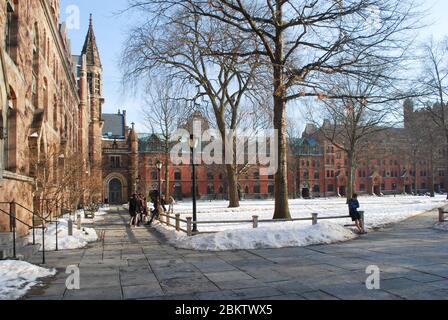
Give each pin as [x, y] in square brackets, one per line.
[136, 264]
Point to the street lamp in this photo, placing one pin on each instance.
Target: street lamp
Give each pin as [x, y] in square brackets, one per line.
[159, 168]
[193, 142]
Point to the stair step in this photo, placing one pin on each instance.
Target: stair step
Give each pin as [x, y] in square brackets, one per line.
[28, 252]
[5, 238]
[6, 252]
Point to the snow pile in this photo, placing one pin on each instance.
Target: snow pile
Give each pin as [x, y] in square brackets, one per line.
[379, 211]
[441, 226]
[17, 277]
[80, 238]
[277, 235]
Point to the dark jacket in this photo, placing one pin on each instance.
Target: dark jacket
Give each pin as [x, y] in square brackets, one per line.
[132, 205]
[353, 206]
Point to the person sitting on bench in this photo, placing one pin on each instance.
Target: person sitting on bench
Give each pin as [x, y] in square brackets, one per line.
[353, 206]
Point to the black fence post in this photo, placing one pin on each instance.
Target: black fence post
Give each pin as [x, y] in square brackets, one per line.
[43, 242]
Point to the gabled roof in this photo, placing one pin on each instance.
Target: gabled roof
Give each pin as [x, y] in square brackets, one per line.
[114, 126]
[90, 49]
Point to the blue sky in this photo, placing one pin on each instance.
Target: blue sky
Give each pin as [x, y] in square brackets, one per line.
[110, 31]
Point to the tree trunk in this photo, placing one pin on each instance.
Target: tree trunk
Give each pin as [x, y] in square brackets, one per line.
[167, 178]
[281, 177]
[350, 180]
[234, 199]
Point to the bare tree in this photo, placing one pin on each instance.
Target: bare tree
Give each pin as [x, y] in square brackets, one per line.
[434, 79]
[302, 42]
[352, 122]
[162, 112]
[181, 47]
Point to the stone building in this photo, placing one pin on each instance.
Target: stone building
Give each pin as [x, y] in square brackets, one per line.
[119, 158]
[50, 104]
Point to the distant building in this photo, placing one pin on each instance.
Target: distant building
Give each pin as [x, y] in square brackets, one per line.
[316, 167]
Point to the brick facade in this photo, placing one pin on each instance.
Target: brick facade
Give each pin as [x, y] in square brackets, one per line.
[316, 168]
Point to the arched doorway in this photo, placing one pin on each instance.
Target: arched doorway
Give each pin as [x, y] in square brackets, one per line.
[115, 191]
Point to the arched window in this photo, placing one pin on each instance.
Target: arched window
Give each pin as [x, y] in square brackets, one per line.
[45, 94]
[210, 176]
[9, 132]
[11, 28]
[35, 37]
[55, 113]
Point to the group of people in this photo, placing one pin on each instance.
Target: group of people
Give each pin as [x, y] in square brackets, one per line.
[139, 211]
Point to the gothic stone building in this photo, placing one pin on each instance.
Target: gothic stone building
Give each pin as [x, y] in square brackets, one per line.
[50, 101]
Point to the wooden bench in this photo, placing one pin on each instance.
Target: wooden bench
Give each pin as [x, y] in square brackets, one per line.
[89, 214]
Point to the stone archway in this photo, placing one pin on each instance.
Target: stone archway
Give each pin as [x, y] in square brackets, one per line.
[116, 189]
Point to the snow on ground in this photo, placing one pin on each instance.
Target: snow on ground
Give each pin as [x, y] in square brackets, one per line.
[79, 239]
[293, 234]
[379, 211]
[17, 277]
[441, 226]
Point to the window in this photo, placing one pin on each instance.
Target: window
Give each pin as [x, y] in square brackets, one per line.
[330, 188]
[9, 25]
[115, 161]
[257, 188]
[177, 176]
[306, 174]
[35, 66]
[9, 134]
[210, 176]
[153, 175]
[362, 187]
[316, 189]
[316, 175]
[256, 175]
[210, 189]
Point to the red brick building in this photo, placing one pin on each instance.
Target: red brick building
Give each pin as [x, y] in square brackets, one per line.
[316, 167]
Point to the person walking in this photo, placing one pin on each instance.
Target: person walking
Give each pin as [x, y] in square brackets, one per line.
[156, 211]
[353, 206]
[139, 209]
[172, 202]
[133, 209]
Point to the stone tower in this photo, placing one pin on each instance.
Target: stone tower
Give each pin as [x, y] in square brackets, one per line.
[95, 100]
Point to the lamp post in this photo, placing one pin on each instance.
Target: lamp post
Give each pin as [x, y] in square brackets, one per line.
[159, 169]
[193, 142]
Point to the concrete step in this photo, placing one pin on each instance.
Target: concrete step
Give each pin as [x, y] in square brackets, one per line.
[5, 238]
[28, 252]
[6, 251]
[22, 253]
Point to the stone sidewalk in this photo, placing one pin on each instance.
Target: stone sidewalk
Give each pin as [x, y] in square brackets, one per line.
[137, 264]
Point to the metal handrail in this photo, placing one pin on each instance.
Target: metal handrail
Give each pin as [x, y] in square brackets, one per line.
[44, 220]
[13, 225]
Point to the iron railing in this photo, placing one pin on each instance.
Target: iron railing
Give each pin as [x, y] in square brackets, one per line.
[13, 219]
